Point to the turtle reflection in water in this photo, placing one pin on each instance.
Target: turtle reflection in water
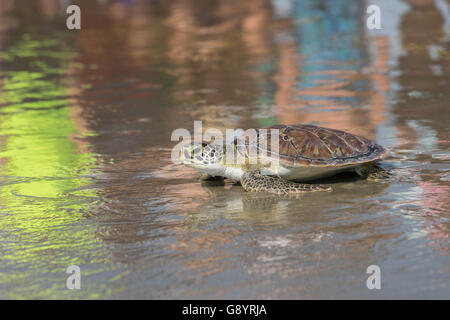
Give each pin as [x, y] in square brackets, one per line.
[306, 152]
[228, 200]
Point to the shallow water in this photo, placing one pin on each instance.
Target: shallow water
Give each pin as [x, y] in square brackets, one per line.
[86, 176]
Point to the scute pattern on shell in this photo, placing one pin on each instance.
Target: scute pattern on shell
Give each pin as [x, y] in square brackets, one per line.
[305, 145]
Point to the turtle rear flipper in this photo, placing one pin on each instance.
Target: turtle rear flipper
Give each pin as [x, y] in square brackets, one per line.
[254, 181]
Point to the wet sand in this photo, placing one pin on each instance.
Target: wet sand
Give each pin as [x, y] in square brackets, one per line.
[86, 176]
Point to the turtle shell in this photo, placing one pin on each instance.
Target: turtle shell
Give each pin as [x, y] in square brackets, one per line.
[309, 145]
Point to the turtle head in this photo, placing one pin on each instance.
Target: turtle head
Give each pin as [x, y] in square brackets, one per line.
[204, 157]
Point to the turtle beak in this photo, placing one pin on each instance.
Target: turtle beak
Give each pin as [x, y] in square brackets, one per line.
[181, 156]
[185, 155]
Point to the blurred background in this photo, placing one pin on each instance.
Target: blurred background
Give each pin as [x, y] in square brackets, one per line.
[86, 118]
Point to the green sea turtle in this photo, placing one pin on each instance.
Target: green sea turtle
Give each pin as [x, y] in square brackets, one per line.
[305, 152]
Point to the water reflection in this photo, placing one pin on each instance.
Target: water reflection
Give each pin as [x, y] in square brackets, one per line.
[226, 198]
[45, 167]
[423, 134]
[85, 125]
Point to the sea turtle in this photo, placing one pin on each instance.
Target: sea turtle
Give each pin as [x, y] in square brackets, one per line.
[305, 152]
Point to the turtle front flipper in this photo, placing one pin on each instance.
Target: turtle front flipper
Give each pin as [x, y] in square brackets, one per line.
[372, 171]
[254, 181]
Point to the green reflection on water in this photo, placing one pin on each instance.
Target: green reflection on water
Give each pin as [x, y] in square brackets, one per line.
[44, 187]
